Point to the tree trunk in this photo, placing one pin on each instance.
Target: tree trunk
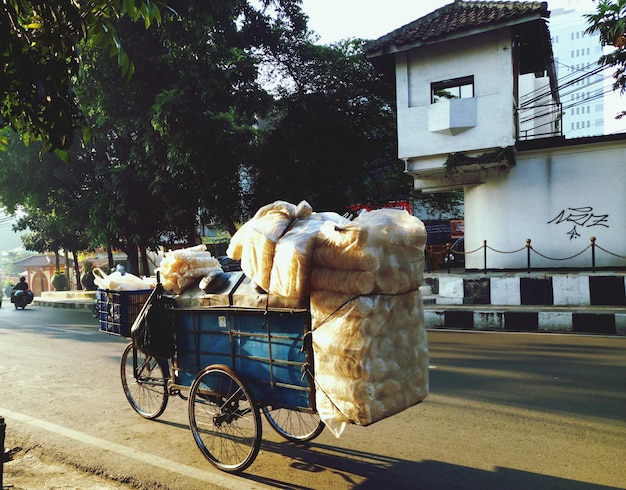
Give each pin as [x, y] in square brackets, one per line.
[145, 266]
[133, 259]
[229, 225]
[57, 262]
[110, 257]
[79, 284]
[66, 255]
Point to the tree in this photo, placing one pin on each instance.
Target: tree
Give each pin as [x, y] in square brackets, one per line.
[41, 62]
[168, 146]
[47, 195]
[331, 137]
[609, 21]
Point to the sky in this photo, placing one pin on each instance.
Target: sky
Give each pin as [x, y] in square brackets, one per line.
[334, 20]
[8, 239]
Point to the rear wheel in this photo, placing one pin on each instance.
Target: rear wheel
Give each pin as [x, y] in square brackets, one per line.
[293, 425]
[224, 419]
[144, 380]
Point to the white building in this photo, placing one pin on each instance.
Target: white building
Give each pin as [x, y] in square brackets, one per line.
[458, 75]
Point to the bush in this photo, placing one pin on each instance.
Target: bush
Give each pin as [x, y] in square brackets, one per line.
[59, 282]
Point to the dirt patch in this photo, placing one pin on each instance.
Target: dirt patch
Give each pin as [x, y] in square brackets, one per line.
[30, 469]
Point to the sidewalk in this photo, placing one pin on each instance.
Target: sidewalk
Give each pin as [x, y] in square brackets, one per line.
[83, 300]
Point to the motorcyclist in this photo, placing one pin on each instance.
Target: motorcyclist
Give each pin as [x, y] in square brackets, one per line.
[22, 285]
[21, 294]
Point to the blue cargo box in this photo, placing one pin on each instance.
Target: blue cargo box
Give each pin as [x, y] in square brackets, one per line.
[267, 349]
[119, 309]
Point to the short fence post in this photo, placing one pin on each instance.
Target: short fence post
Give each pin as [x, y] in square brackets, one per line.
[593, 253]
[484, 256]
[2, 432]
[528, 254]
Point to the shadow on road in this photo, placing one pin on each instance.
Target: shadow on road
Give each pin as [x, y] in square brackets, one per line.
[376, 471]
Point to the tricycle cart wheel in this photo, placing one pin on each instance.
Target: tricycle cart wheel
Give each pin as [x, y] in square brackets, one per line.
[293, 425]
[224, 419]
[144, 379]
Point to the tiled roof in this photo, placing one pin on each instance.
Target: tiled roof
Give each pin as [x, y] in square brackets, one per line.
[39, 261]
[455, 19]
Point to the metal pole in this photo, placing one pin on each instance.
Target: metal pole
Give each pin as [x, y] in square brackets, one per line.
[593, 254]
[528, 253]
[484, 256]
[2, 433]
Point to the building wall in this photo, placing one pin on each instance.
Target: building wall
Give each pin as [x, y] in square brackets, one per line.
[559, 198]
[488, 58]
[576, 54]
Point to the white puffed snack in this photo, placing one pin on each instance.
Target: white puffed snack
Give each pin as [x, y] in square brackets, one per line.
[180, 268]
[363, 378]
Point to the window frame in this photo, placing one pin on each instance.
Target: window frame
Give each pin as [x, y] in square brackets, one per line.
[452, 83]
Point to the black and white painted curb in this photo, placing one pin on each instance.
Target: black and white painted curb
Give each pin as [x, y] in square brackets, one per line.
[582, 303]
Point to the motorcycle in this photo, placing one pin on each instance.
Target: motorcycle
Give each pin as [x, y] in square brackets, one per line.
[21, 298]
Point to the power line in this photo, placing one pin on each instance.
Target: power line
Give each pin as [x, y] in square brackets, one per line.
[582, 85]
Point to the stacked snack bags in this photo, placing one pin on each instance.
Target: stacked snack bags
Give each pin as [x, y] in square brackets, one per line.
[369, 340]
[180, 268]
[362, 277]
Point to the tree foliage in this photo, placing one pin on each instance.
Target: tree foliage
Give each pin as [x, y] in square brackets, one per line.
[41, 62]
[169, 146]
[609, 21]
[331, 136]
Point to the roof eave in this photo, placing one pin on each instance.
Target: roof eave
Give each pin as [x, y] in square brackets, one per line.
[389, 49]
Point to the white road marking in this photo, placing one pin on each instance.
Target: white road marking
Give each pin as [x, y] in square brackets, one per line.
[68, 330]
[221, 479]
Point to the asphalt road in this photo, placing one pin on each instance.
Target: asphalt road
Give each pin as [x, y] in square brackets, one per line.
[506, 411]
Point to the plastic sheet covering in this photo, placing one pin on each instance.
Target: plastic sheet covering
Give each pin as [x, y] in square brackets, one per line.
[371, 350]
[117, 281]
[293, 256]
[255, 242]
[369, 365]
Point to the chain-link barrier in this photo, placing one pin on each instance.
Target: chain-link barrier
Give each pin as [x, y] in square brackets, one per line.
[438, 256]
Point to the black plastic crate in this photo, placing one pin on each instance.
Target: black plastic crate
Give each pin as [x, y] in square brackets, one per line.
[119, 309]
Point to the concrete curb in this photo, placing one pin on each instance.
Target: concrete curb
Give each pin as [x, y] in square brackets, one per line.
[64, 303]
[568, 319]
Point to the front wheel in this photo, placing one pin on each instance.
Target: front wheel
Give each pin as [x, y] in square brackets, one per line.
[224, 419]
[144, 380]
[293, 425]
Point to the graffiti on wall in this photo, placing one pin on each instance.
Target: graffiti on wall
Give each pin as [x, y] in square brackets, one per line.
[583, 217]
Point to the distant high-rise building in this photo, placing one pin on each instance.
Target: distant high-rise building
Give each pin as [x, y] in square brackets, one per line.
[580, 78]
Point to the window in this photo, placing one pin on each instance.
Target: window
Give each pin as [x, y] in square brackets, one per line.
[457, 88]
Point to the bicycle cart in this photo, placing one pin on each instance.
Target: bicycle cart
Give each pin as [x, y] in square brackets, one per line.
[235, 357]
